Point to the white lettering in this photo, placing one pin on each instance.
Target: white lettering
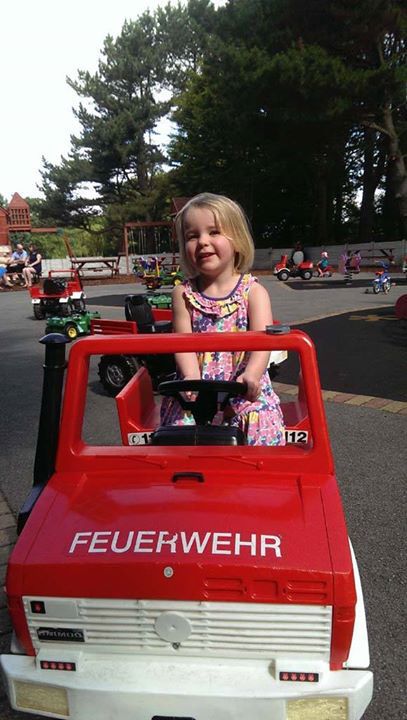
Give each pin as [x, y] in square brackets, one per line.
[153, 541]
[79, 541]
[217, 541]
[194, 539]
[245, 543]
[270, 541]
[98, 538]
[172, 541]
[126, 547]
[141, 539]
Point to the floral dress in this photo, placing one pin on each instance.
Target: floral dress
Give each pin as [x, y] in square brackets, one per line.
[262, 420]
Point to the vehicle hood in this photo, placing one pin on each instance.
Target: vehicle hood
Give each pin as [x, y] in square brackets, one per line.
[276, 539]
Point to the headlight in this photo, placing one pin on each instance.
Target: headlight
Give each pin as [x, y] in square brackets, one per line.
[30, 696]
[318, 709]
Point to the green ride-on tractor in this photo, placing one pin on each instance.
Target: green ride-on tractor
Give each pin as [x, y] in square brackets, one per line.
[72, 326]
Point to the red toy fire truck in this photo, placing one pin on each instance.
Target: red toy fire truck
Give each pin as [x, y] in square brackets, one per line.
[181, 573]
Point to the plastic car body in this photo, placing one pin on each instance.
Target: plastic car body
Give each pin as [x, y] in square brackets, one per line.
[382, 280]
[145, 315]
[186, 580]
[79, 323]
[285, 270]
[60, 293]
[161, 301]
[155, 273]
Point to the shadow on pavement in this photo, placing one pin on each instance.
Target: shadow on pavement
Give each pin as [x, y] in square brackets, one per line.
[108, 300]
[331, 283]
[361, 353]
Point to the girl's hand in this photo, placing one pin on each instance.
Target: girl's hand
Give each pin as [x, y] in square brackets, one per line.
[189, 394]
[253, 385]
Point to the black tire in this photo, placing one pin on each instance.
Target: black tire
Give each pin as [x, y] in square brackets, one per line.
[283, 275]
[306, 274]
[115, 371]
[71, 331]
[386, 286]
[38, 311]
[376, 288]
[79, 305]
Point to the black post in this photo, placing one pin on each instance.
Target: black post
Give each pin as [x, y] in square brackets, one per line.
[48, 428]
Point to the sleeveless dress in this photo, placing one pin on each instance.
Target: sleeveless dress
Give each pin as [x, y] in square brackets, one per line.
[262, 420]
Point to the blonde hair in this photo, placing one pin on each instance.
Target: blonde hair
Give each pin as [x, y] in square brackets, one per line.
[231, 221]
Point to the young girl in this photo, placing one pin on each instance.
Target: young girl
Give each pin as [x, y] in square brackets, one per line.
[217, 250]
[322, 264]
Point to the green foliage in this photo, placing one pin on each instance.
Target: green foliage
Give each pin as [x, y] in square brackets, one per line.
[292, 109]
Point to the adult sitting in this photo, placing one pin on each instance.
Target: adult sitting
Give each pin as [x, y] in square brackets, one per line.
[4, 264]
[33, 266]
[17, 262]
[299, 254]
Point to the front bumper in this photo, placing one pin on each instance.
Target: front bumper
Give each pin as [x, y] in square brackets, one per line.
[146, 687]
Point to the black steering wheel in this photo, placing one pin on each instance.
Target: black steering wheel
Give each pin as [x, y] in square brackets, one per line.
[212, 395]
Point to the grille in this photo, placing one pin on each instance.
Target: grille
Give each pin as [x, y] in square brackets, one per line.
[218, 629]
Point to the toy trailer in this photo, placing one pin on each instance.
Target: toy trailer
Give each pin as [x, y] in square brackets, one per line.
[181, 580]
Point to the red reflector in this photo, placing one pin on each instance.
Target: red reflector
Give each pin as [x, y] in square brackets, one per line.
[299, 676]
[38, 607]
[53, 665]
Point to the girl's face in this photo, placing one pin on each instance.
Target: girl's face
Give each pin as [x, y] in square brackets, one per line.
[210, 252]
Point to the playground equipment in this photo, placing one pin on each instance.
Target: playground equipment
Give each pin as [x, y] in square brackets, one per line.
[182, 573]
[76, 324]
[284, 269]
[60, 293]
[156, 272]
[16, 218]
[382, 280]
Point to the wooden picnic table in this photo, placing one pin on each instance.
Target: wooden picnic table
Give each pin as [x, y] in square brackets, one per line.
[96, 263]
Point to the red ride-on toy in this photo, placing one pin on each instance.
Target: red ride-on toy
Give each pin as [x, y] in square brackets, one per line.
[174, 571]
[286, 269]
[60, 293]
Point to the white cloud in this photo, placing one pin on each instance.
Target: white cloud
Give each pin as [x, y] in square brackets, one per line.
[42, 42]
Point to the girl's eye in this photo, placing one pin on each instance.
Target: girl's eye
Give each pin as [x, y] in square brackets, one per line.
[214, 232]
[190, 237]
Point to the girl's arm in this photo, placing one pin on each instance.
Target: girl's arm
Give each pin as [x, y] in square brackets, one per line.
[187, 362]
[260, 315]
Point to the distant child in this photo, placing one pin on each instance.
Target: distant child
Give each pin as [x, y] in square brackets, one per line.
[216, 250]
[322, 264]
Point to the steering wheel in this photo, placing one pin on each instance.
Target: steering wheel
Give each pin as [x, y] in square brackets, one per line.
[212, 395]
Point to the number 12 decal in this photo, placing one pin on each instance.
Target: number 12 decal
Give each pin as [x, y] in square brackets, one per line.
[296, 436]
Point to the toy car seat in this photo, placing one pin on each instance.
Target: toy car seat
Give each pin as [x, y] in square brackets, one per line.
[54, 287]
[138, 309]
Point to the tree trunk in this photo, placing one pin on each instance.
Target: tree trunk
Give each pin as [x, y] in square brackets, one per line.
[366, 217]
[321, 210]
[397, 168]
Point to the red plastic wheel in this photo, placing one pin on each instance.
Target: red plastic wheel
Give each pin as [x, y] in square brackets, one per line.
[401, 308]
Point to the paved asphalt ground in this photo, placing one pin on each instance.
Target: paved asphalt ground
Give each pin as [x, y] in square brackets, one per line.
[363, 360]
